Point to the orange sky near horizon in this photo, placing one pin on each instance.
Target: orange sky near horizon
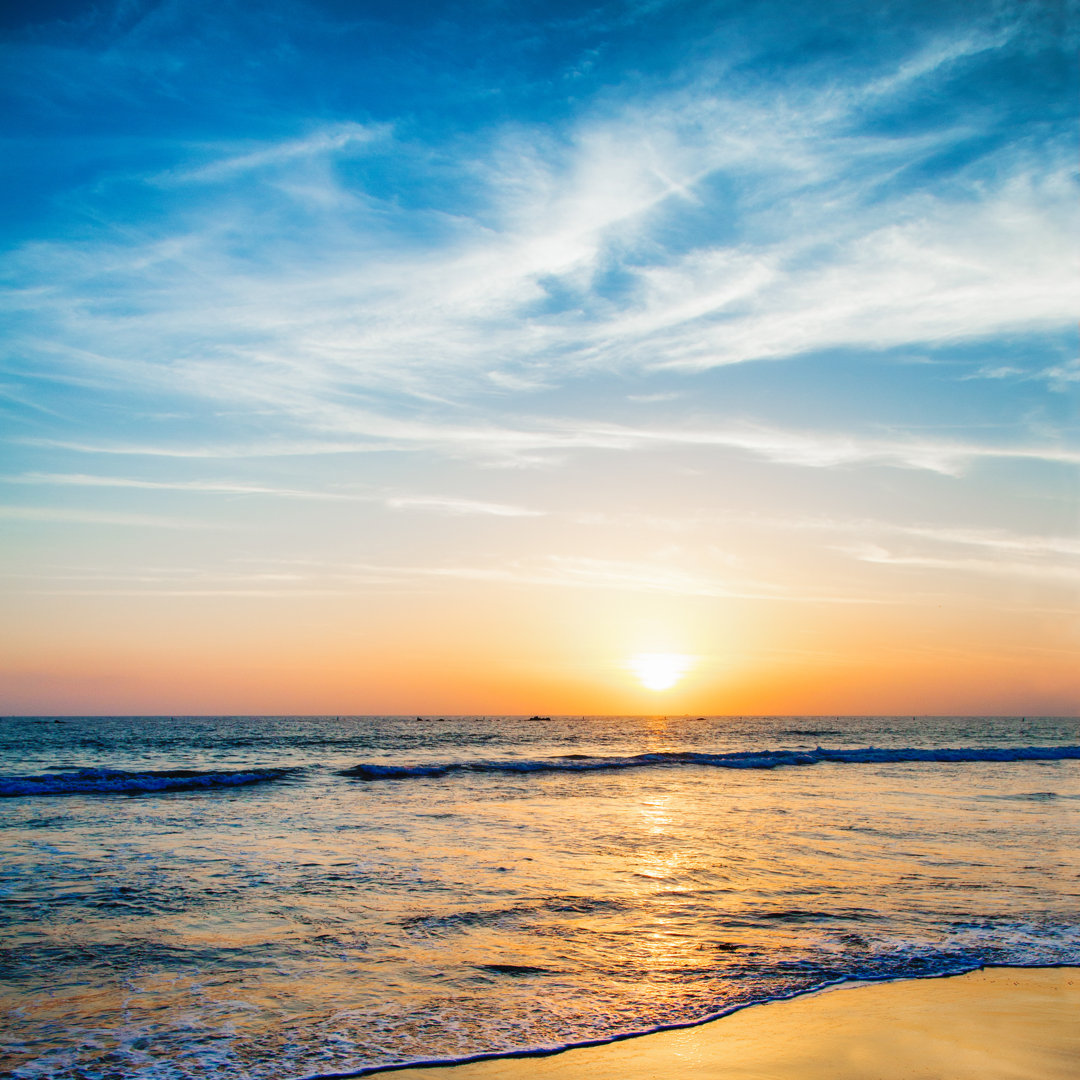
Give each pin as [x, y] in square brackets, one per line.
[486, 649]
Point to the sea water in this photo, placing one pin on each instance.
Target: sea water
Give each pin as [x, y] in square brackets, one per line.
[278, 897]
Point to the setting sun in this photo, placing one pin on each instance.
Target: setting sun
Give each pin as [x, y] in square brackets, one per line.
[660, 671]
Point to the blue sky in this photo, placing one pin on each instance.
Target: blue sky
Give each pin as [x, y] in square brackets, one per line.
[701, 321]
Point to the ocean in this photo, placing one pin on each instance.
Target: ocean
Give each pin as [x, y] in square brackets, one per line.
[286, 897]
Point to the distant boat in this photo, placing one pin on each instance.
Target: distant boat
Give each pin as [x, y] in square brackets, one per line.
[539, 717]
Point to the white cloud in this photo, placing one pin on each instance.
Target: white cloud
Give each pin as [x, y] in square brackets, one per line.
[366, 328]
[918, 269]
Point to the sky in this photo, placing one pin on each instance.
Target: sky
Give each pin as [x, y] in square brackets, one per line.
[427, 357]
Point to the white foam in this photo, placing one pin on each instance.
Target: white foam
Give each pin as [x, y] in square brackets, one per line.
[101, 781]
[750, 759]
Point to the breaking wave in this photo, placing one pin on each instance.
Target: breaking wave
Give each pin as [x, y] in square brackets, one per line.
[749, 759]
[119, 781]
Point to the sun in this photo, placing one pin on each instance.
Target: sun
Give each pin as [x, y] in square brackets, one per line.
[660, 671]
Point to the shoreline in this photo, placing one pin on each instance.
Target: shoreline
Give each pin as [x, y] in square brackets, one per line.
[991, 1023]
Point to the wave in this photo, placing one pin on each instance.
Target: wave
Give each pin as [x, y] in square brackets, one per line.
[119, 781]
[746, 759]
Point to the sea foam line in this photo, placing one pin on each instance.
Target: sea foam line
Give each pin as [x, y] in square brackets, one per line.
[120, 781]
[748, 759]
[944, 972]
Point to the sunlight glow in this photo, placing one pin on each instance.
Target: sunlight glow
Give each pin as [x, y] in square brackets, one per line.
[660, 671]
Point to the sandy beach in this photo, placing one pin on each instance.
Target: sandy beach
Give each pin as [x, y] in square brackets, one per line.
[994, 1024]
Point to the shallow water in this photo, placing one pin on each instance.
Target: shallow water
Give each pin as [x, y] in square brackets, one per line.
[266, 914]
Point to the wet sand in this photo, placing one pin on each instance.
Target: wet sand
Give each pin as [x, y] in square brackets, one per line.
[995, 1024]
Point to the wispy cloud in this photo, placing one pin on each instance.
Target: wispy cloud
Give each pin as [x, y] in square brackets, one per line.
[996, 567]
[823, 449]
[1057, 376]
[446, 504]
[653, 577]
[984, 551]
[212, 487]
[279, 306]
[328, 140]
[808, 449]
[68, 516]
[996, 540]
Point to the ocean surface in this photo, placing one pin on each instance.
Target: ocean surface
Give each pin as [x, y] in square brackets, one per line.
[285, 897]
